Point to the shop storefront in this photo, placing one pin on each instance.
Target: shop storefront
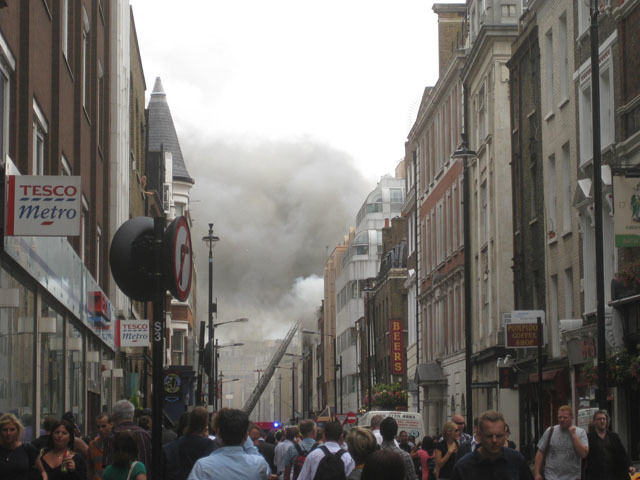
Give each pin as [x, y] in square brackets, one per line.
[56, 346]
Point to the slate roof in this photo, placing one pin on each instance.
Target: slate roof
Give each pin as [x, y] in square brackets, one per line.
[163, 132]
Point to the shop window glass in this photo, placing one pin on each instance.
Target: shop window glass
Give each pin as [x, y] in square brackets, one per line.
[51, 329]
[16, 355]
[107, 357]
[74, 350]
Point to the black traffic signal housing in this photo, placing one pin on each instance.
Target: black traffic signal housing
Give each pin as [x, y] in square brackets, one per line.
[507, 377]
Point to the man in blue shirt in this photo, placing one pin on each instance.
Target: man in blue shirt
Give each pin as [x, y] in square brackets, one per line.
[492, 459]
[238, 458]
[308, 433]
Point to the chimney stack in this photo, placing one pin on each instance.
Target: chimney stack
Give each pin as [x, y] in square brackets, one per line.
[451, 20]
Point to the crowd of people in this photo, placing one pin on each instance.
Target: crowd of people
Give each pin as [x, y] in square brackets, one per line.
[228, 446]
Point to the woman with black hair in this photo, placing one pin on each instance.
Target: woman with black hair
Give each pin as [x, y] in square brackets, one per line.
[425, 453]
[59, 461]
[125, 460]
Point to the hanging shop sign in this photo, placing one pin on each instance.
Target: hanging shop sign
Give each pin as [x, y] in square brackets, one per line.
[397, 347]
[134, 333]
[521, 328]
[43, 206]
[626, 219]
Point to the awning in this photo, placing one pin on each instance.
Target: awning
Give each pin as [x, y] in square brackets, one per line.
[430, 373]
[548, 375]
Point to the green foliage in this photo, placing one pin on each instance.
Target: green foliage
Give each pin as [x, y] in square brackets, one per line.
[387, 397]
[135, 400]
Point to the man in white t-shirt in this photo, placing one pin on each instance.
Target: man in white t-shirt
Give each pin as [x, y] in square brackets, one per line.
[561, 449]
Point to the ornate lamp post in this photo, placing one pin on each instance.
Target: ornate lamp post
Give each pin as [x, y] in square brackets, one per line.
[210, 239]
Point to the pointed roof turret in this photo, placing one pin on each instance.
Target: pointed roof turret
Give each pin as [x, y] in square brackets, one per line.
[163, 132]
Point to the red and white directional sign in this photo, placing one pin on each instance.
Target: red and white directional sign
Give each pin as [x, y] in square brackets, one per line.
[177, 241]
[352, 417]
[43, 206]
[341, 417]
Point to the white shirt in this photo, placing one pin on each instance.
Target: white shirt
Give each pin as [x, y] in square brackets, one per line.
[279, 456]
[313, 460]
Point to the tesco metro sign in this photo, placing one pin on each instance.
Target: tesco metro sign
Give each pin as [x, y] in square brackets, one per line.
[43, 206]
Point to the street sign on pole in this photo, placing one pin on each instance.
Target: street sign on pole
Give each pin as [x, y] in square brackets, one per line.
[352, 418]
[341, 417]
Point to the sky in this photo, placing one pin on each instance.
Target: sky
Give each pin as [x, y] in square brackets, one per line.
[288, 112]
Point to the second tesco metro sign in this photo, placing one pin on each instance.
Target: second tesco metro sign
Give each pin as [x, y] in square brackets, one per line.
[43, 206]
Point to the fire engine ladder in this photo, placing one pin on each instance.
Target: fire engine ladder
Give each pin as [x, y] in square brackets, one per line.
[270, 370]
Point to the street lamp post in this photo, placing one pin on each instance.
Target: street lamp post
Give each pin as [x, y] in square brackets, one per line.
[464, 153]
[210, 239]
[597, 204]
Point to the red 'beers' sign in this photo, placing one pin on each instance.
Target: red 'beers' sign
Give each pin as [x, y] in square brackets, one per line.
[397, 347]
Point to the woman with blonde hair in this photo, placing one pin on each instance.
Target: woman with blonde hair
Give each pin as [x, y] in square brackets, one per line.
[445, 451]
[17, 459]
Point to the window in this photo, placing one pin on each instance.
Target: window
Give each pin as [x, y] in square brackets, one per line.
[482, 115]
[4, 113]
[84, 229]
[568, 293]
[410, 233]
[40, 130]
[51, 329]
[98, 250]
[397, 199]
[85, 58]
[177, 354]
[566, 190]
[563, 61]
[17, 354]
[586, 126]
[100, 117]
[65, 13]
[509, 10]
[607, 123]
[584, 18]
[66, 167]
[551, 196]
[553, 315]
[548, 51]
[75, 373]
[484, 213]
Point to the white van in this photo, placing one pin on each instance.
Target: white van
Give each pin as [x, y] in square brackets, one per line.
[411, 422]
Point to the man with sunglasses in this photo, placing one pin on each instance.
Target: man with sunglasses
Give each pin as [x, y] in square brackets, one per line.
[459, 421]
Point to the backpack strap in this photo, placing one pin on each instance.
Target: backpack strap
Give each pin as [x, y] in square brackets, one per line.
[298, 449]
[133, 464]
[340, 452]
[325, 450]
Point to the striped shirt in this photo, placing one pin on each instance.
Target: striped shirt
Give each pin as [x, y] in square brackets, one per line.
[94, 462]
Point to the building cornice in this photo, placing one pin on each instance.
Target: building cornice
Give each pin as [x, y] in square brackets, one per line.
[488, 35]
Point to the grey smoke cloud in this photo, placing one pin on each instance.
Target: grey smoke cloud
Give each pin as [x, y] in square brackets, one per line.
[276, 206]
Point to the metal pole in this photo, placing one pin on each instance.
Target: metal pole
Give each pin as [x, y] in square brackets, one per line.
[368, 353]
[468, 333]
[341, 394]
[199, 396]
[597, 205]
[335, 384]
[540, 360]
[212, 371]
[280, 399]
[157, 352]
[293, 393]
[415, 236]
[215, 369]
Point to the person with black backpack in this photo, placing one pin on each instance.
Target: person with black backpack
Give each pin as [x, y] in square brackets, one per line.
[297, 454]
[329, 461]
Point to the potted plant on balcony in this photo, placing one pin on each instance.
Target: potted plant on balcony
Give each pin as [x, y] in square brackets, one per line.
[388, 397]
[623, 368]
[626, 281]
